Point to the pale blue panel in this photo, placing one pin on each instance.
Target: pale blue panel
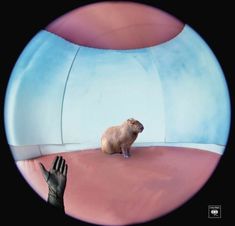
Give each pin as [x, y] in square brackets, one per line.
[58, 94]
[196, 99]
[35, 91]
[105, 88]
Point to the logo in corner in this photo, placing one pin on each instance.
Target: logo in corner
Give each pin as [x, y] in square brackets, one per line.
[214, 211]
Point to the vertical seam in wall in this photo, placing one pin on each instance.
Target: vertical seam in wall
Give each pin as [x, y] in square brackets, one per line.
[65, 87]
[40, 150]
[162, 92]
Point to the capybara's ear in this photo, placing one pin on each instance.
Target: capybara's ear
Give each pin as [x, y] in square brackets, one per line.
[131, 120]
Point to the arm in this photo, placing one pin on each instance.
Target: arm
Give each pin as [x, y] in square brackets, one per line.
[56, 180]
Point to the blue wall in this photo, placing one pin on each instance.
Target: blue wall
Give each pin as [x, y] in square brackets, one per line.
[195, 92]
[107, 87]
[64, 93]
[35, 91]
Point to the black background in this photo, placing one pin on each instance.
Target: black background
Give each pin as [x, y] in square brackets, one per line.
[21, 20]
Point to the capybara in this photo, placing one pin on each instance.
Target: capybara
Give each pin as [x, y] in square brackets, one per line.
[118, 139]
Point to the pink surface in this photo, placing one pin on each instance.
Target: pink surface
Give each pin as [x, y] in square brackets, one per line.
[116, 25]
[111, 190]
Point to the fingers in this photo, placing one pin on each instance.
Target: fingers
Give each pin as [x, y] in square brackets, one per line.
[62, 165]
[59, 165]
[55, 162]
[45, 173]
[65, 170]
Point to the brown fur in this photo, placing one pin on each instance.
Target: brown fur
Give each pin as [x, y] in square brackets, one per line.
[118, 139]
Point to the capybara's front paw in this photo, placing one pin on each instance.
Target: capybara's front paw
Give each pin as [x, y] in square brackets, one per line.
[126, 156]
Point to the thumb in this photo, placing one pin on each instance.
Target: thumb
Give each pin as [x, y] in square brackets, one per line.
[45, 173]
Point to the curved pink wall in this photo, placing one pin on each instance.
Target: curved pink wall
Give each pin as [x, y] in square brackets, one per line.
[116, 25]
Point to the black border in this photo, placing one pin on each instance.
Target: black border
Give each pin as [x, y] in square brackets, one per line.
[21, 20]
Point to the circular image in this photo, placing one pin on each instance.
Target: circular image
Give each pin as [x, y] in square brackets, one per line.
[117, 113]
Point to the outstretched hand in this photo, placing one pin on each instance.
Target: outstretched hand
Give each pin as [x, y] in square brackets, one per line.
[56, 177]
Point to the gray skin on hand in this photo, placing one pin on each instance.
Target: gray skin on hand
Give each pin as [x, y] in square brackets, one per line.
[56, 179]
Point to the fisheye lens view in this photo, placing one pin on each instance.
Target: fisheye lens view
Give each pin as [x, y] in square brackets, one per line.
[117, 113]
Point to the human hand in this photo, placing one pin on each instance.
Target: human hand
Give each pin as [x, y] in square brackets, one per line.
[56, 178]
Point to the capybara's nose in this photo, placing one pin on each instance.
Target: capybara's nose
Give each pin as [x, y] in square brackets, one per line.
[142, 128]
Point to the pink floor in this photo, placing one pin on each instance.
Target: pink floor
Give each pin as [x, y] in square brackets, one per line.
[116, 25]
[111, 190]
